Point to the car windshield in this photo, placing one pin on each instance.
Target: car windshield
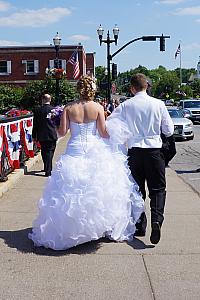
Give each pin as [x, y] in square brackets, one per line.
[191, 104]
[175, 113]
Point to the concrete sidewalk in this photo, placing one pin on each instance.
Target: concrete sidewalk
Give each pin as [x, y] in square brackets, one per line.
[102, 269]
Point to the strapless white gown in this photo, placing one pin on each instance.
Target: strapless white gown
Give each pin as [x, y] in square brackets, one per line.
[89, 195]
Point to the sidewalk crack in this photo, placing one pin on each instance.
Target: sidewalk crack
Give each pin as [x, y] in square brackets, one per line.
[149, 279]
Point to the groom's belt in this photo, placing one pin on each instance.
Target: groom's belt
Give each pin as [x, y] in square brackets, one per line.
[144, 149]
[151, 141]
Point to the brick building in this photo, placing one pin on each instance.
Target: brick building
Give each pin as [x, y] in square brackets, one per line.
[19, 64]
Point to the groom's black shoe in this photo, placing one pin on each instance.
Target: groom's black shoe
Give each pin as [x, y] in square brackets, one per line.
[139, 232]
[155, 233]
[47, 174]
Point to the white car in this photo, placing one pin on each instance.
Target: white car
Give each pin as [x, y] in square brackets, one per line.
[193, 106]
[183, 127]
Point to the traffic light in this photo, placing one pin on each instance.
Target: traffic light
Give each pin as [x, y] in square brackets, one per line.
[162, 43]
[114, 71]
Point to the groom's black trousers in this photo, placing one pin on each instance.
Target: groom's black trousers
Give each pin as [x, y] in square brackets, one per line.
[47, 152]
[148, 164]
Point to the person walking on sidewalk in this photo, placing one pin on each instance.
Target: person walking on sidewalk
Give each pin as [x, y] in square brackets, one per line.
[147, 118]
[45, 132]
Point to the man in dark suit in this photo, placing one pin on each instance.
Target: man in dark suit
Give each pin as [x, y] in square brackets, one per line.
[44, 132]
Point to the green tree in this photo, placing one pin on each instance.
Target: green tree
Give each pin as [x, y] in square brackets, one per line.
[101, 81]
[166, 86]
[35, 89]
[185, 73]
[100, 73]
[140, 69]
[195, 86]
[10, 97]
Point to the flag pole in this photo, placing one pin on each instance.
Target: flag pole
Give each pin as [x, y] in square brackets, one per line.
[180, 64]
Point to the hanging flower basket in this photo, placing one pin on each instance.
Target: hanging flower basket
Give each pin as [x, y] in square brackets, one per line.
[56, 73]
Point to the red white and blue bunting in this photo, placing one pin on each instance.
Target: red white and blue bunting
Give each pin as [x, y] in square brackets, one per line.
[13, 135]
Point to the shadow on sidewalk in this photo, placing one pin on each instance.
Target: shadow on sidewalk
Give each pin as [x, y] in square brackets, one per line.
[34, 173]
[139, 245]
[19, 240]
[186, 171]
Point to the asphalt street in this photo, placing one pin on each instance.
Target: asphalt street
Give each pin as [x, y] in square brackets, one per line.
[187, 160]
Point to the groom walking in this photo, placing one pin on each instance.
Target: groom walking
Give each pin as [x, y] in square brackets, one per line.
[44, 132]
[147, 118]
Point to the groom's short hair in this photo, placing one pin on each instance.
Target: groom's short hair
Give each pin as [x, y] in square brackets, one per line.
[46, 98]
[139, 82]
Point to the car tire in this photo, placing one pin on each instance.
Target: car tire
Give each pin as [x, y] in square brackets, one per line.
[191, 138]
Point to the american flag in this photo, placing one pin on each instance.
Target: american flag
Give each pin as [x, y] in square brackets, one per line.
[75, 62]
[178, 51]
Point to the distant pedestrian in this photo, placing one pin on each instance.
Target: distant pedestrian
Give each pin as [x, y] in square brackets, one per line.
[110, 107]
[45, 132]
[117, 102]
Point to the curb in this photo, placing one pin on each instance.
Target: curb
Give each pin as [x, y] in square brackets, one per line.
[14, 176]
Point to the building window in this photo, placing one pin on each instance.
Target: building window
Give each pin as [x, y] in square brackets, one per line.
[61, 64]
[5, 67]
[31, 67]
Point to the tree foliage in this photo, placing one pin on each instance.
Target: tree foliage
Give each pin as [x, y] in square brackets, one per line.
[10, 97]
[195, 86]
[34, 90]
[30, 96]
[165, 83]
[185, 73]
[101, 81]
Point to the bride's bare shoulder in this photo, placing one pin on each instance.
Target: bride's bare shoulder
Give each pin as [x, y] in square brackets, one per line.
[71, 104]
[98, 105]
[95, 104]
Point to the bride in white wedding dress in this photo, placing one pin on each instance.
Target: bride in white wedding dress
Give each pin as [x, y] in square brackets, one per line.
[90, 193]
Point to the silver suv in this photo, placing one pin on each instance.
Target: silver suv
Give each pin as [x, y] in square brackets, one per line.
[193, 107]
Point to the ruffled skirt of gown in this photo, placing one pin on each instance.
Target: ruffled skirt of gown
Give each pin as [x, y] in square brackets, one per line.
[88, 196]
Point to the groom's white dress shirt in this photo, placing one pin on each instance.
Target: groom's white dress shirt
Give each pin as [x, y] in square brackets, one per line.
[146, 118]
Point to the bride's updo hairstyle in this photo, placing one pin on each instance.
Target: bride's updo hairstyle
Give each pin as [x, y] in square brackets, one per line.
[86, 87]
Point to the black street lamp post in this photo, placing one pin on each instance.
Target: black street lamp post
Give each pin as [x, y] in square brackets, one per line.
[108, 41]
[56, 41]
[106, 80]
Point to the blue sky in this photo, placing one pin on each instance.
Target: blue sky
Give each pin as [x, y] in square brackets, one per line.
[36, 22]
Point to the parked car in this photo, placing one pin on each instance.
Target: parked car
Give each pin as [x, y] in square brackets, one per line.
[186, 113]
[193, 106]
[183, 127]
[168, 102]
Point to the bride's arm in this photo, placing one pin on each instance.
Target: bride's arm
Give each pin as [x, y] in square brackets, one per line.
[101, 125]
[64, 123]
